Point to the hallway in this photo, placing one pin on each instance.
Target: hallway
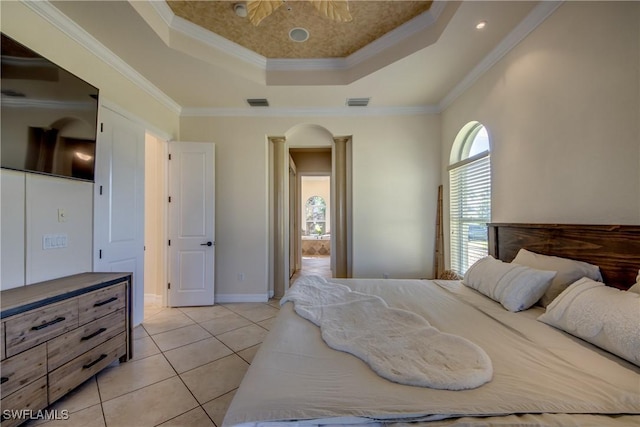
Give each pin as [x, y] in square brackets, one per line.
[315, 265]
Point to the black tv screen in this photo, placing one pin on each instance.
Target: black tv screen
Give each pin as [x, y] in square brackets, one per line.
[48, 116]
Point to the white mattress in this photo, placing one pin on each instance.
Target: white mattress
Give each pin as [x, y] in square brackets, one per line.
[296, 378]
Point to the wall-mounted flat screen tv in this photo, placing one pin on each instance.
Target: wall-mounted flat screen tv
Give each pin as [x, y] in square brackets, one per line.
[48, 116]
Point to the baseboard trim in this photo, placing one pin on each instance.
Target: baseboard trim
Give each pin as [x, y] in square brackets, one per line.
[229, 298]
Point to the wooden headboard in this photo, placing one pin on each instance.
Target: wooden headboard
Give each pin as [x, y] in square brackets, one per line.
[614, 248]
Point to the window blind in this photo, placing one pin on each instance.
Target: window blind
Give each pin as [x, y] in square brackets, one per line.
[470, 210]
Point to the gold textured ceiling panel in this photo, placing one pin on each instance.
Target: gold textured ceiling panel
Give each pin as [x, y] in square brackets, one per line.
[327, 38]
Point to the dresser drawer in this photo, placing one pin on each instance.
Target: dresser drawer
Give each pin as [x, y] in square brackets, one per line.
[73, 373]
[34, 327]
[101, 302]
[22, 369]
[32, 397]
[72, 344]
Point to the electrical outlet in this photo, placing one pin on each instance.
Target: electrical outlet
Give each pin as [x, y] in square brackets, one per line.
[240, 277]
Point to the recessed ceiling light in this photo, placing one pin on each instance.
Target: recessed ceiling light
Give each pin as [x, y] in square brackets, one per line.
[299, 34]
[480, 25]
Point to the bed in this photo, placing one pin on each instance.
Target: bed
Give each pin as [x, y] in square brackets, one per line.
[541, 375]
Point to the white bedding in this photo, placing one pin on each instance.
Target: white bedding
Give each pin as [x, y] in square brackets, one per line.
[398, 345]
[538, 370]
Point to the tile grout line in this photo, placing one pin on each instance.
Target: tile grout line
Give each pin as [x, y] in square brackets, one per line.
[234, 353]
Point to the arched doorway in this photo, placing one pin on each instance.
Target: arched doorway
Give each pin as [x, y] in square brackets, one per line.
[307, 136]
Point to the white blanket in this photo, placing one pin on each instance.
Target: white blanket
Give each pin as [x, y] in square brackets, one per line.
[398, 345]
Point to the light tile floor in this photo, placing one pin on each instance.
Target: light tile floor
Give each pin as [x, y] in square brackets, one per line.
[318, 265]
[187, 364]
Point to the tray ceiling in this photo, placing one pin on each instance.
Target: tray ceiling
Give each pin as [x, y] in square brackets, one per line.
[328, 38]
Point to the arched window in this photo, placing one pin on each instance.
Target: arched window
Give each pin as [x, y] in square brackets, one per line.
[470, 196]
[316, 214]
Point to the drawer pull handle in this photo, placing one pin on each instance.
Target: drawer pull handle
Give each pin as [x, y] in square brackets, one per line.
[88, 365]
[98, 304]
[44, 325]
[96, 333]
[4, 380]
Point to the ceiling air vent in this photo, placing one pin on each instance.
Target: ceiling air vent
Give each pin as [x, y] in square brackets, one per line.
[357, 102]
[258, 102]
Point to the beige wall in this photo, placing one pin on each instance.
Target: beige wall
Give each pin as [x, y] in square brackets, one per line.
[155, 221]
[46, 194]
[562, 113]
[396, 172]
[28, 28]
[313, 163]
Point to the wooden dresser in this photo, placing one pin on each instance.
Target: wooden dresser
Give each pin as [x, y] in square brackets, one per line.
[57, 334]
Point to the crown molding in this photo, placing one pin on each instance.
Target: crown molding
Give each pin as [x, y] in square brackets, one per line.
[181, 25]
[164, 11]
[52, 15]
[387, 41]
[309, 112]
[59, 20]
[536, 17]
[150, 128]
[397, 35]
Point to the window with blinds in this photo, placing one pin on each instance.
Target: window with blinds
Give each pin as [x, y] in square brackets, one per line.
[469, 207]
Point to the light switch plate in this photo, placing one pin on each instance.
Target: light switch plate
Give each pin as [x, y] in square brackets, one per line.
[55, 241]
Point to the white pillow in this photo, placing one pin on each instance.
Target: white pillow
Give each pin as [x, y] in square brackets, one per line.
[604, 316]
[568, 271]
[515, 286]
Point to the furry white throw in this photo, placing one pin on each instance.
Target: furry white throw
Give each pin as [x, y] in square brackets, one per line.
[398, 345]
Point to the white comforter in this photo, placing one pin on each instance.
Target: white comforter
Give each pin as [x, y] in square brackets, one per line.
[541, 374]
[399, 345]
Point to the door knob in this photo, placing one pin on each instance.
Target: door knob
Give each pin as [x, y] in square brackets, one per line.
[207, 244]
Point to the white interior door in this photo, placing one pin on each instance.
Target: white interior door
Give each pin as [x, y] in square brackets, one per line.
[191, 223]
[119, 202]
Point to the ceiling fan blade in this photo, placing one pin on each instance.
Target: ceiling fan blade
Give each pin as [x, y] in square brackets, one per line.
[338, 10]
[260, 9]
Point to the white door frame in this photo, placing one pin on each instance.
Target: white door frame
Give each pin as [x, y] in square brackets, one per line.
[160, 199]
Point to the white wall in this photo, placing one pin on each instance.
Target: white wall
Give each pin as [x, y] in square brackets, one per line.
[12, 229]
[31, 208]
[396, 173]
[562, 110]
[28, 28]
[46, 196]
